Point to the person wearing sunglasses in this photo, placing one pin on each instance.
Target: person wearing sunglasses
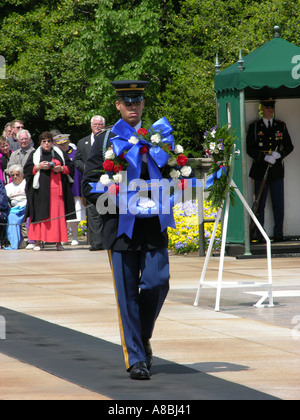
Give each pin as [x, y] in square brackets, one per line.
[49, 177]
[17, 125]
[268, 143]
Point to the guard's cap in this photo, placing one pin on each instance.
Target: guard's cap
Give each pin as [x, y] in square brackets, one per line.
[268, 102]
[61, 138]
[130, 90]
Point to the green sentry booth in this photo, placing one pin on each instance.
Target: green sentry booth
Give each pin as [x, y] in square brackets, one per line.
[272, 70]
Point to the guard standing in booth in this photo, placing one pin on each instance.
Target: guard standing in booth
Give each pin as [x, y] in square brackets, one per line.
[140, 265]
[268, 143]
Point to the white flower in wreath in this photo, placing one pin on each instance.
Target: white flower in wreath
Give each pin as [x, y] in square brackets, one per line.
[174, 174]
[155, 138]
[212, 147]
[213, 132]
[186, 171]
[109, 154]
[133, 140]
[117, 178]
[105, 179]
[178, 149]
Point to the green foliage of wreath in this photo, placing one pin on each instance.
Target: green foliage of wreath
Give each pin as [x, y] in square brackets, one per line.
[218, 145]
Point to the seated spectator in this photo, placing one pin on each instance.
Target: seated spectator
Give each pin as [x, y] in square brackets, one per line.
[20, 156]
[4, 210]
[15, 192]
[5, 154]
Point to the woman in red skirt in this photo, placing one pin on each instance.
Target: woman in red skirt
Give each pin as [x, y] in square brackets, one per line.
[48, 173]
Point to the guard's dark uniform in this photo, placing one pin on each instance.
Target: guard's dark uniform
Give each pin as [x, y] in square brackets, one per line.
[140, 265]
[262, 141]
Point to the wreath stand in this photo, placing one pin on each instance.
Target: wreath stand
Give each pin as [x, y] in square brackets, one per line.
[219, 284]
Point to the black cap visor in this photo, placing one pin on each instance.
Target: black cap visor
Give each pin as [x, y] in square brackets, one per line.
[131, 98]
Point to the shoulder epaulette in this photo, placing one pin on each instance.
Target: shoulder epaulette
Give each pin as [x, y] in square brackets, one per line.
[104, 131]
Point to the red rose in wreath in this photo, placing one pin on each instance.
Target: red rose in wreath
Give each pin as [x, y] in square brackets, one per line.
[181, 160]
[118, 168]
[108, 165]
[142, 131]
[143, 150]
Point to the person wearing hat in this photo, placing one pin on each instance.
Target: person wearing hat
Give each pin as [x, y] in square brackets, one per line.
[140, 265]
[62, 141]
[94, 219]
[268, 143]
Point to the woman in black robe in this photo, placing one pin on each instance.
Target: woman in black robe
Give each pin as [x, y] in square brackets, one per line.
[48, 173]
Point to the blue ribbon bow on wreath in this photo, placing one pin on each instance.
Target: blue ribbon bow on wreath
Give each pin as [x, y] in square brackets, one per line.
[216, 175]
[156, 157]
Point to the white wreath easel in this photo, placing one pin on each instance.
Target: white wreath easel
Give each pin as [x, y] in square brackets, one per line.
[219, 284]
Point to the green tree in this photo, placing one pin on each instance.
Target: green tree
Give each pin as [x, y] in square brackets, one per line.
[125, 42]
[44, 82]
[202, 29]
[61, 56]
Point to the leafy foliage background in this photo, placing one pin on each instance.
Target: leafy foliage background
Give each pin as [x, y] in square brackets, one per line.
[61, 56]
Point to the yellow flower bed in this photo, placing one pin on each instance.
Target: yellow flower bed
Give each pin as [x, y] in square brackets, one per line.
[185, 238]
[82, 228]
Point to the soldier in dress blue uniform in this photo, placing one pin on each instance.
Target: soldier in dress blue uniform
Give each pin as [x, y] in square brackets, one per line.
[268, 143]
[140, 265]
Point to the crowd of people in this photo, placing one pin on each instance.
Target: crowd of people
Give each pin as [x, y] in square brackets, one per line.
[40, 189]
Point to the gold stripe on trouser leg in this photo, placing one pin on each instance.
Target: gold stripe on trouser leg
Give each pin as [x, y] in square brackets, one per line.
[125, 351]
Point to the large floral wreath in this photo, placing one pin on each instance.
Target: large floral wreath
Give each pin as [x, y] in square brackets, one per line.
[218, 145]
[151, 142]
[156, 147]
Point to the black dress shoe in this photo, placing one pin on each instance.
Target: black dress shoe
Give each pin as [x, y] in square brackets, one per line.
[278, 239]
[96, 248]
[139, 371]
[148, 352]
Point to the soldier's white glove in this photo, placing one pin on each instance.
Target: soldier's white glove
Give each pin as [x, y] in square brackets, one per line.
[276, 155]
[270, 159]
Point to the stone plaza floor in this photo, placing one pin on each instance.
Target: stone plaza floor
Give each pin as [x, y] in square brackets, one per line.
[59, 333]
